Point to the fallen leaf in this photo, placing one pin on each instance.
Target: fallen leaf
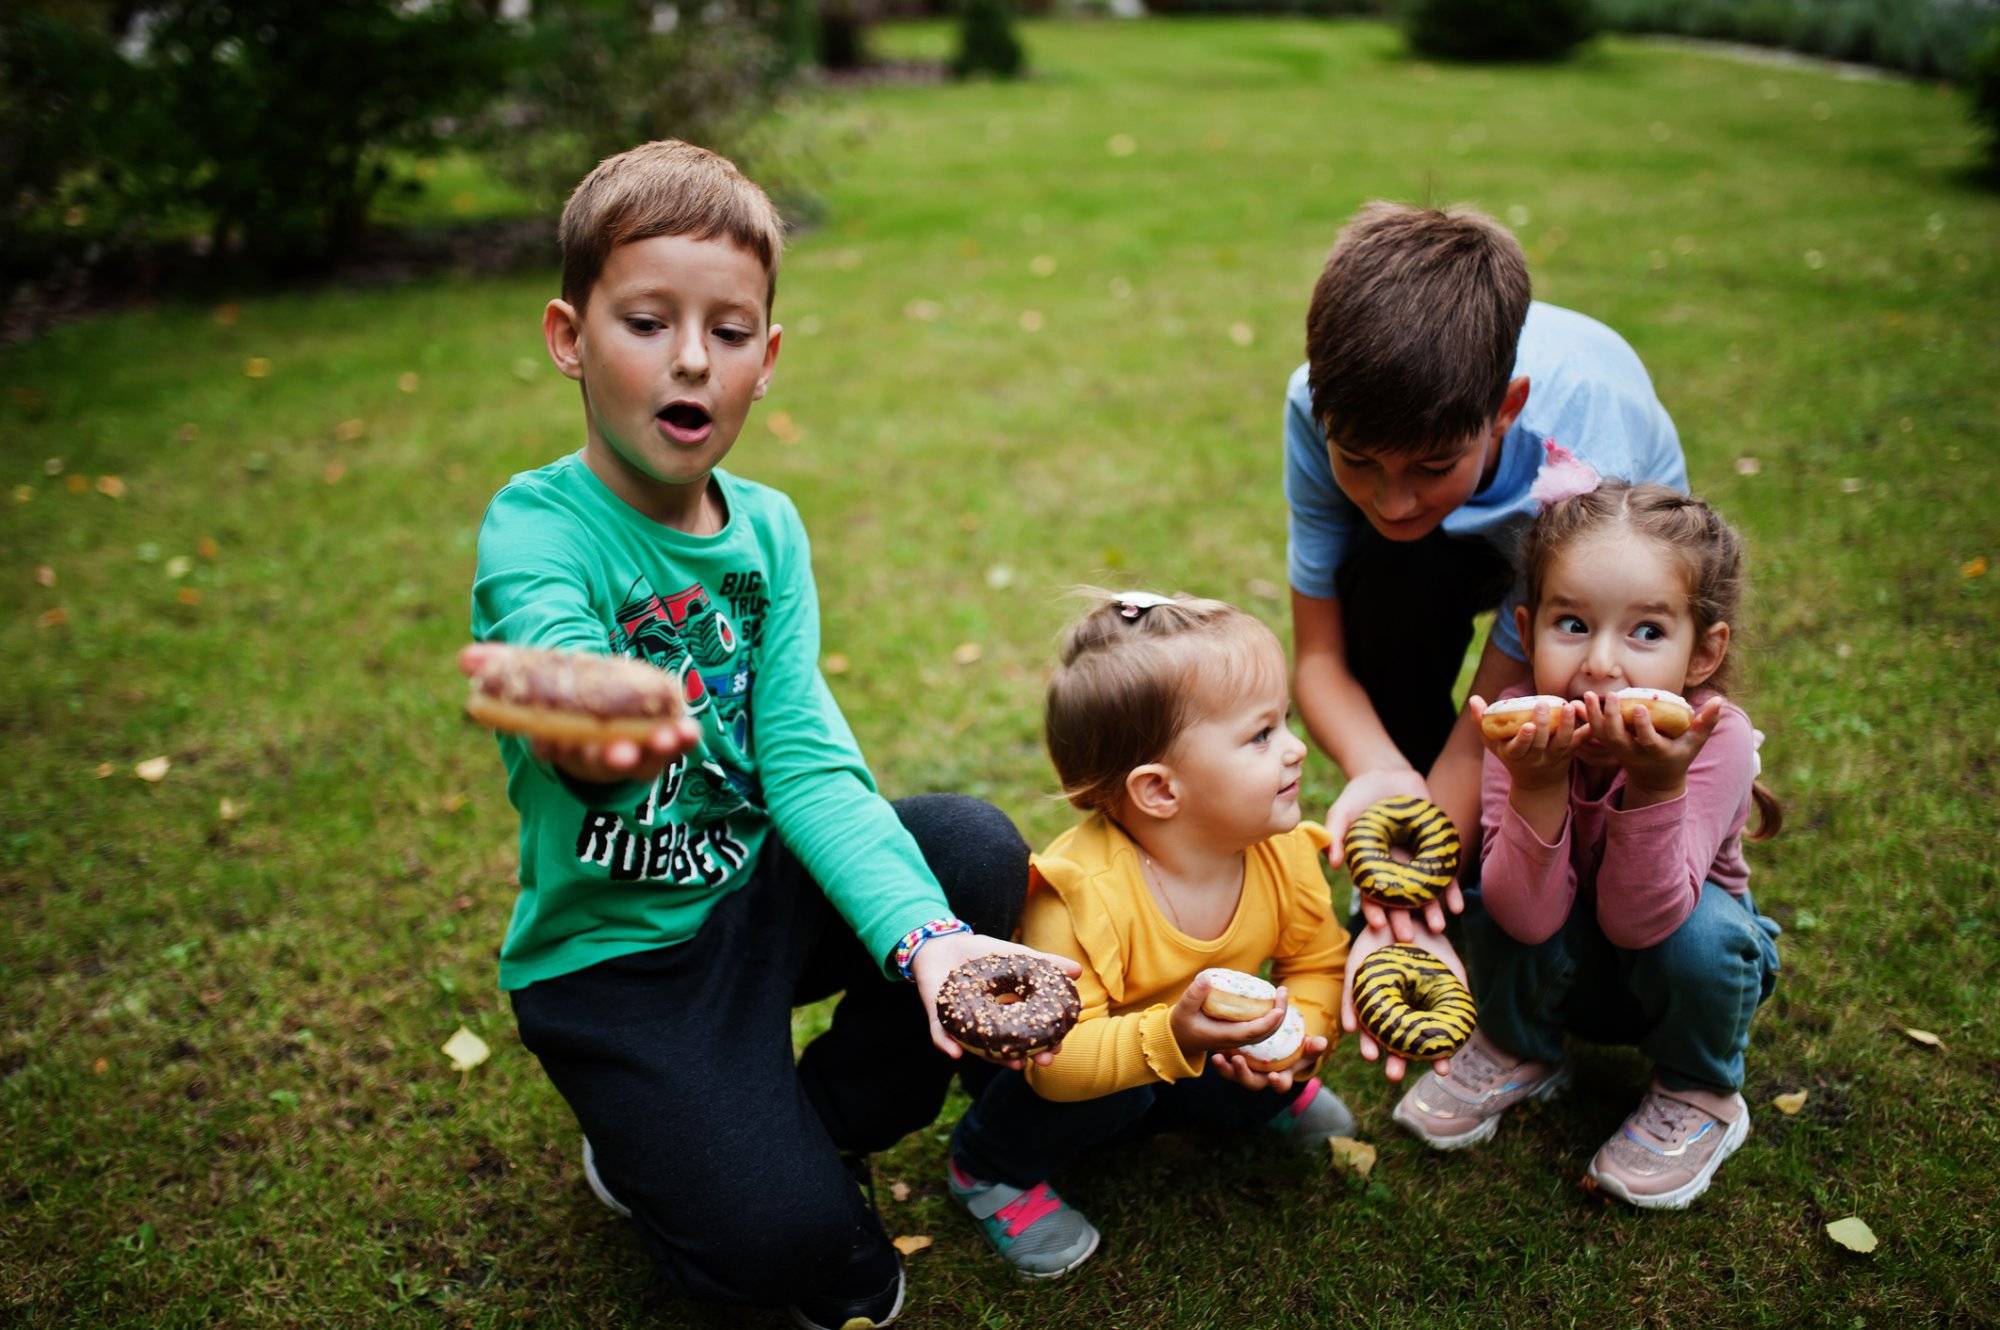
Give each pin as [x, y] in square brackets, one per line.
[226, 315]
[899, 1191]
[54, 618]
[1852, 1233]
[452, 802]
[1789, 1104]
[466, 1050]
[408, 381]
[179, 566]
[105, 769]
[45, 576]
[461, 903]
[1851, 485]
[187, 433]
[153, 769]
[1924, 1037]
[911, 1243]
[23, 493]
[210, 996]
[257, 367]
[1031, 320]
[1748, 466]
[1242, 334]
[834, 664]
[229, 810]
[100, 1066]
[783, 427]
[347, 431]
[1043, 265]
[52, 467]
[967, 653]
[207, 548]
[999, 577]
[1969, 569]
[187, 595]
[78, 484]
[1356, 1156]
[111, 487]
[334, 471]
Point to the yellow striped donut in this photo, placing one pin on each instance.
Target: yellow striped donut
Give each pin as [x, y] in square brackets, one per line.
[1417, 825]
[1412, 1003]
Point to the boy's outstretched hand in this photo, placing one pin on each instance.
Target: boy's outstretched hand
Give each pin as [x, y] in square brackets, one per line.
[603, 763]
[1373, 939]
[941, 955]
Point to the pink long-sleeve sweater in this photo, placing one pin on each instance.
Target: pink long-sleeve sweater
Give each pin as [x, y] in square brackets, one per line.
[1645, 867]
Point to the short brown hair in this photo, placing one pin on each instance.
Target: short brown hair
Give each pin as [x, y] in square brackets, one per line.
[1710, 554]
[1131, 678]
[1414, 322]
[664, 188]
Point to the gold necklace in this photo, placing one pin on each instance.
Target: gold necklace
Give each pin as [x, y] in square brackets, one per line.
[1160, 890]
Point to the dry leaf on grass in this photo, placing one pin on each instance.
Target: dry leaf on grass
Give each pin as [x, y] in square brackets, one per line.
[834, 664]
[1972, 568]
[228, 314]
[54, 618]
[1789, 1104]
[1748, 466]
[229, 810]
[408, 381]
[452, 802]
[24, 493]
[911, 1243]
[783, 427]
[105, 769]
[187, 595]
[899, 1191]
[45, 576]
[1032, 321]
[466, 1050]
[967, 653]
[153, 769]
[179, 566]
[334, 471]
[347, 431]
[207, 548]
[1852, 1233]
[111, 487]
[256, 367]
[1356, 1156]
[1242, 334]
[78, 484]
[1924, 1037]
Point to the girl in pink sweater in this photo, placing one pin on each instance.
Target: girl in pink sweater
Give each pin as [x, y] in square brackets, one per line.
[1614, 899]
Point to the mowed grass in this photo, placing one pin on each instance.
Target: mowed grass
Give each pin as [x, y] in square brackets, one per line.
[1041, 340]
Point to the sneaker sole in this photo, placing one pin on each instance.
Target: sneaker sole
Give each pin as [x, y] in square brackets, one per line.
[597, 1187]
[1554, 1084]
[804, 1322]
[1088, 1252]
[1683, 1196]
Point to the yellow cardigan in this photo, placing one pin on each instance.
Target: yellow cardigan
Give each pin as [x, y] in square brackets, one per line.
[1087, 899]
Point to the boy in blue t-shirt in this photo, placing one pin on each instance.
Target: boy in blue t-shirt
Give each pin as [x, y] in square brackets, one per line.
[678, 897]
[1413, 431]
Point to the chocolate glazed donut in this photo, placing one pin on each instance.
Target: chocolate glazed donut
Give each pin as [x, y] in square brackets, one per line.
[1008, 1005]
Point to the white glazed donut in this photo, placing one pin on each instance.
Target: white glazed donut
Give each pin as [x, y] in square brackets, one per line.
[1670, 711]
[1504, 719]
[1280, 1049]
[1236, 996]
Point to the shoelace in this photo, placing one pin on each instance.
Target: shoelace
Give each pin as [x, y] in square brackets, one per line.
[1021, 1213]
[1664, 1118]
[1473, 1070]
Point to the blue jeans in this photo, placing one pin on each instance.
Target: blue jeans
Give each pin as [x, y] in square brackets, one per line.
[1686, 1002]
[1013, 1135]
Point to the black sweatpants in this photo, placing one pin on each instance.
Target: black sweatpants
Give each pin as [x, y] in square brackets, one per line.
[1406, 610]
[678, 1065]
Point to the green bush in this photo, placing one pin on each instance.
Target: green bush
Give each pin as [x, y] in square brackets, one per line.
[1982, 79]
[1927, 38]
[986, 42]
[1498, 29]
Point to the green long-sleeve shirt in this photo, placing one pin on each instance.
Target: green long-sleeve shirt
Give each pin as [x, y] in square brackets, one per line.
[565, 563]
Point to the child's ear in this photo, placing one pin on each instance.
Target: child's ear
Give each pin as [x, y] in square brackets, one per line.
[770, 362]
[1152, 790]
[1511, 406]
[562, 333]
[1709, 649]
[1522, 623]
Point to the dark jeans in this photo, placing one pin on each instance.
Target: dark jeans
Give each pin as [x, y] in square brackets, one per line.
[1406, 611]
[1013, 1135]
[678, 1065]
[1686, 1001]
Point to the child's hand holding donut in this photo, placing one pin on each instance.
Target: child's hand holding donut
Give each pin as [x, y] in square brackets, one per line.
[1537, 753]
[1655, 766]
[640, 754]
[1374, 939]
[1200, 1034]
[938, 957]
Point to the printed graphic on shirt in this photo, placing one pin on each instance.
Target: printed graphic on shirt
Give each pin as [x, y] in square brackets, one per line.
[679, 833]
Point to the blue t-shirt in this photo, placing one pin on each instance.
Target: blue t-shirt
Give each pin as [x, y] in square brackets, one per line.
[1587, 391]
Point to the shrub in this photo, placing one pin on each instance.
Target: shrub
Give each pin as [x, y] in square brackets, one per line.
[1982, 78]
[1498, 29]
[987, 44]
[1927, 38]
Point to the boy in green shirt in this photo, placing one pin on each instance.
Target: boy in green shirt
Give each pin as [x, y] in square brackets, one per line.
[663, 932]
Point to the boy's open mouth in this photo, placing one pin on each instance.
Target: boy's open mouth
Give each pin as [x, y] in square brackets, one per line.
[684, 422]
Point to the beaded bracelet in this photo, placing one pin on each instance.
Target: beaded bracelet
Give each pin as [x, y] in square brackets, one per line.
[913, 941]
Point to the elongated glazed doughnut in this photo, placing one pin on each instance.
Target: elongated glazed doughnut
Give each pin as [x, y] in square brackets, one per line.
[1419, 827]
[1236, 996]
[1279, 1049]
[1412, 1003]
[1504, 719]
[572, 696]
[1670, 711]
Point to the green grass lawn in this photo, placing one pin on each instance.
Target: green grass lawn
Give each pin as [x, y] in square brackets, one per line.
[1042, 339]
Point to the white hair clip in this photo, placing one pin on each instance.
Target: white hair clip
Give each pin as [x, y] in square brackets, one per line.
[1132, 604]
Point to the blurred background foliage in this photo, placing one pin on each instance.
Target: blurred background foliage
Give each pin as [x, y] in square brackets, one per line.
[142, 140]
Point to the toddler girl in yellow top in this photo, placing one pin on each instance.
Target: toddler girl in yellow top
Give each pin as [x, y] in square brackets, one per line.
[1166, 721]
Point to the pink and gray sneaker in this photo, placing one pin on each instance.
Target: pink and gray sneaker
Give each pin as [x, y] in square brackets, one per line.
[1038, 1233]
[1668, 1150]
[1317, 1115]
[1463, 1109]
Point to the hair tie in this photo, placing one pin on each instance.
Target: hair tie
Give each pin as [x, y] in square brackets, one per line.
[1562, 476]
[1132, 604]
